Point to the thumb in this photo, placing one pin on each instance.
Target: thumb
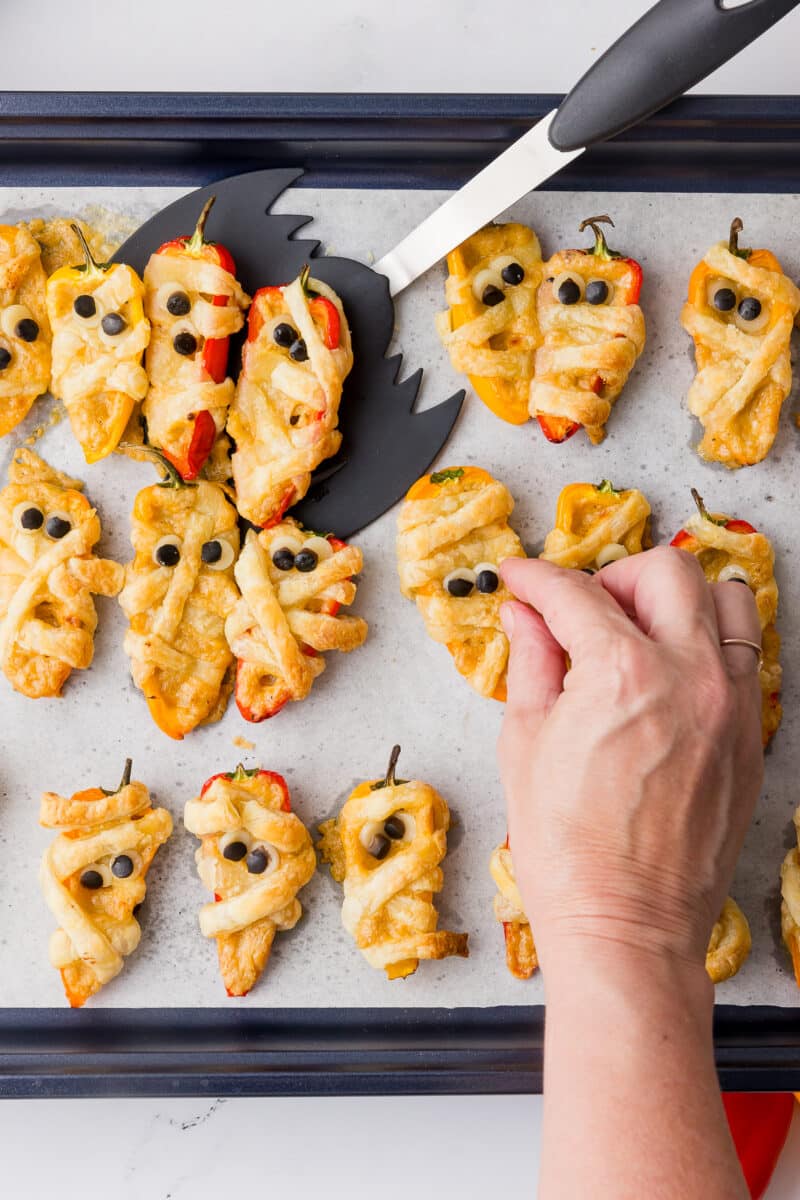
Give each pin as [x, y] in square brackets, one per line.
[536, 668]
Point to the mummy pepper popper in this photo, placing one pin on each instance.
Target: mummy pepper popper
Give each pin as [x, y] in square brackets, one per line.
[740, 312]
[597, 524]
[178, 590]
[194, 304]
[48, 575]
[100, 333]
[385, 847]
[491, 328]
[593, 331]
[93, 878]
[255, 855]
[285, 411]
[24, 327]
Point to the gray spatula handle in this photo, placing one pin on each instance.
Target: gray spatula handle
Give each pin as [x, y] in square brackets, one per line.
[674, 45]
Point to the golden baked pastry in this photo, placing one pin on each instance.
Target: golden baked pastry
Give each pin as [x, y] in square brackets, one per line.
[453, 533]
[728, 947]
[178, 591]
[740, 312]
[731, 549]
[100, 333]
[293, 584]
[491, 329]
[285, 412]
[596, 525]
[48, 573]
[93, 878]
[593, 331]
[790, 900]
[60, 241]
[385, 847]
[255, 855]
[194, 304]
[24, 329]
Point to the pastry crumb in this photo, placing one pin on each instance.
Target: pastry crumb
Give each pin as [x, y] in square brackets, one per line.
[243, 743]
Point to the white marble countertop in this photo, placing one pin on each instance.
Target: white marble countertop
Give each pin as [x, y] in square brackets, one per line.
[169, 1149]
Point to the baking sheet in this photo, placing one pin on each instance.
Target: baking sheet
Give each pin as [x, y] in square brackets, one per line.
[399, 686]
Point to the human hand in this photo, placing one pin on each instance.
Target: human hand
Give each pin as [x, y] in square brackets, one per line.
[631, 778]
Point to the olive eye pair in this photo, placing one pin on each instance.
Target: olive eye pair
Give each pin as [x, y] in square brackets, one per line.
[377, 836]
[259, 858]
[570, 288]
[461, 582]
[748, 312]
[290, 553]
[287, 337]
[17, 321]
[216, 553]
[30, 519]
[102, 875]
[489, 285]
[112, 323]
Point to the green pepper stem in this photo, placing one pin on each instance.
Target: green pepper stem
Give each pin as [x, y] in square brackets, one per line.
[91, 266]
[601, 249]
[126, 774]
[606, 487]
[701, 508]
[172, 476]
[196, 242]
[737, 225]
[389, 780]
[241, 773]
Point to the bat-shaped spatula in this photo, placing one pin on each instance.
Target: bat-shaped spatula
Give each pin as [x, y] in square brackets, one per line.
[674, 45]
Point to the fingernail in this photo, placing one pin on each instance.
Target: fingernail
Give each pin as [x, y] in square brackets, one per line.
[507, 619]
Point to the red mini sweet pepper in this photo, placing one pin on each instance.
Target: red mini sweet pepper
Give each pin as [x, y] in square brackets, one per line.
[215, 350]
[759, 1124]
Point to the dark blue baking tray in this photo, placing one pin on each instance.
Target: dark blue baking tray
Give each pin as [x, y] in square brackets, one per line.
[698, 144]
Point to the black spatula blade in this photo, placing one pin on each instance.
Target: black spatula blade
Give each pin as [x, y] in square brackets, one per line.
[385, 444]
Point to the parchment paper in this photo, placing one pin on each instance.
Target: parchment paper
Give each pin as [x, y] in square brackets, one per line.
[399, 686]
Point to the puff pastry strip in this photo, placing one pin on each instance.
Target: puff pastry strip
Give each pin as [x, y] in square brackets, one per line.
[744, 370]
[452, 522]
[286, 409]
[48, 573]
[388, 894]
[93, 877]
[255, 855]
[24, 328]
[790, 900]
[491, 328]
[287, 617]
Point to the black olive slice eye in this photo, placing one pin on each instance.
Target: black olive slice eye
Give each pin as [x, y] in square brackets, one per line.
[394, 827]
[5, 358]
[487, 579]
[724, 299]
[28, 517]
[283, 559]
[178, 304]
[123, 866]
[113, 323]
[217, 554]
[751, 315]
[234, 846]
[513, 274]
[492, 295]
[27, 329]
[261, 859]
[57, 526]
[597, 291]
[379, 846]
[84, 306]
[487, 286]
[285, 335]
[298, 351]
[95, 877]
[306, 560]
[167, 552]
[184, 343]
[459, 582]
[568, 288]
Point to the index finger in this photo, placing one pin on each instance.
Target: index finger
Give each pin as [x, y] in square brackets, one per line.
[667, 593]
[582, 616]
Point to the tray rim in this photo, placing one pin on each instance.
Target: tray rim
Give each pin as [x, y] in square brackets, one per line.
[49, 1052]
